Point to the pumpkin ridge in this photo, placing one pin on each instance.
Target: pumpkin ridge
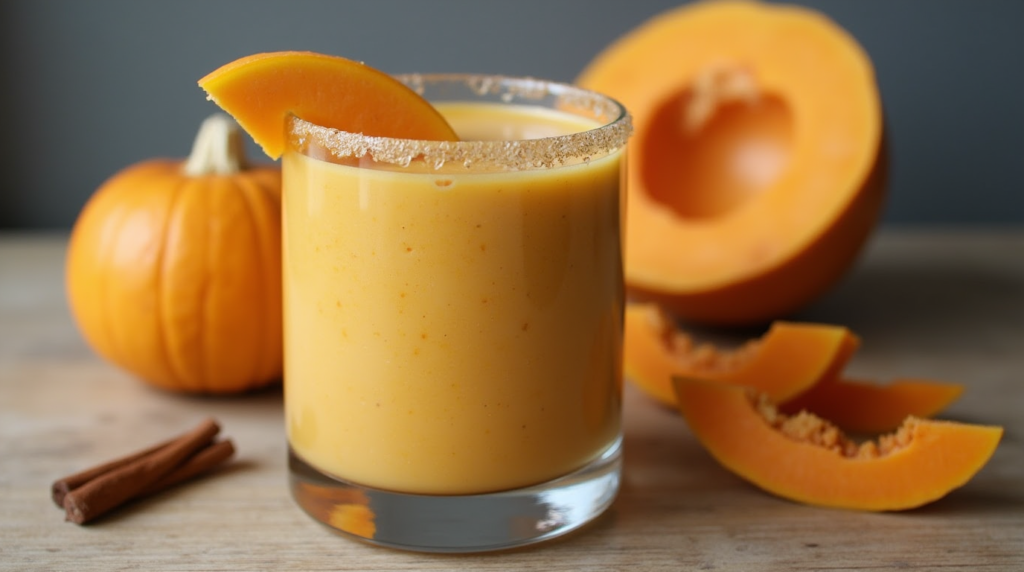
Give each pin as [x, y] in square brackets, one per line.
[174, 377]
[270, 199]
[149, 195]
[260, 366]
[104, 286]
[203, 381]
[192, 358]
[231, 329]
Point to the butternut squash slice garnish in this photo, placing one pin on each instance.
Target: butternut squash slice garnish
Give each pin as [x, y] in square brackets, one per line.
[261, 90]
[806, 459]
[757, 167]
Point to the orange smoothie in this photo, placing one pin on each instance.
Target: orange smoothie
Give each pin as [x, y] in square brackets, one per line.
[454, 331]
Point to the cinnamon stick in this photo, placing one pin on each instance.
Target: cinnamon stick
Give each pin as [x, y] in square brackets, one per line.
[206, 459]
[62, 487]
[108, 490]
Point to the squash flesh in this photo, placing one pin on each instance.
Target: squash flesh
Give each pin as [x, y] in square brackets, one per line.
[931, 458]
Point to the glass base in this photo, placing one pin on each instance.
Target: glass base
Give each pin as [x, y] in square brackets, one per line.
[459, 523]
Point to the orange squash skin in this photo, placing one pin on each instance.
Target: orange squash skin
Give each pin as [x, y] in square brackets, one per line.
[745, 266]
[939, 457]
[177, 279]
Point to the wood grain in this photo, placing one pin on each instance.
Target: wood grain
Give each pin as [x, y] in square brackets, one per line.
[946, 305]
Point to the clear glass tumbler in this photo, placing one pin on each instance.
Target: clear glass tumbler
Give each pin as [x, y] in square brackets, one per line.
[453, 318]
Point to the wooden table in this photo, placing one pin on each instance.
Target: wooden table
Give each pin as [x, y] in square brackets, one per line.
[946, 305]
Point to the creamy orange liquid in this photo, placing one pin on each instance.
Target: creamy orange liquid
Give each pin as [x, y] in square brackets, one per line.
[455, 334]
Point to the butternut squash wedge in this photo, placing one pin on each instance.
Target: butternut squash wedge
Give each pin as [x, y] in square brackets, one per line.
[788, 360]
[757, 166]
[261, 90]
[797, 365]
[808, 460]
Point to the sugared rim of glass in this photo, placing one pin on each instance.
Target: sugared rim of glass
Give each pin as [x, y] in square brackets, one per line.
[615, 127]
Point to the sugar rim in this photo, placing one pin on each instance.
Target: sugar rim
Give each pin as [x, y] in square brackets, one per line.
[523, 154]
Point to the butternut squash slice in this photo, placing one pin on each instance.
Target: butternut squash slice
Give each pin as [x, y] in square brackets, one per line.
[261, 90]
[808, 460]
[788, 360]
[798, 365]
[757, 166]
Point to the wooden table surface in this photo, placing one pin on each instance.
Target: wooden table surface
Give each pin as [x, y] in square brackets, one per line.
[946, 305]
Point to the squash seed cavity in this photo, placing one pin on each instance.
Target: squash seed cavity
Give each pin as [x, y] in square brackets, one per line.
[807, 427]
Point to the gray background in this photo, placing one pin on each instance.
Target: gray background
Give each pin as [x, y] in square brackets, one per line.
[91, 87]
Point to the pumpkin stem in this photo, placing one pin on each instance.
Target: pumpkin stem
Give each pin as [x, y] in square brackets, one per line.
[218, 148]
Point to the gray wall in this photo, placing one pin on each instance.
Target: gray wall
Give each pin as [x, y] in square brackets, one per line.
[92, 86]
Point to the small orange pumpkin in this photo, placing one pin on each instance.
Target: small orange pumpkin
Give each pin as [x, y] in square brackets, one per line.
[173, 268]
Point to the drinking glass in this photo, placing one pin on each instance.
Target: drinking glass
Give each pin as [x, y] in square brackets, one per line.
[453, 318]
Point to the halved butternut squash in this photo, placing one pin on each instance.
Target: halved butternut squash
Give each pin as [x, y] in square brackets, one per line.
[787, 361]
[757, 166]
[808, 460]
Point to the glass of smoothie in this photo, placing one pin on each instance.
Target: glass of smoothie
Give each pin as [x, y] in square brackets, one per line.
[453, 318]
